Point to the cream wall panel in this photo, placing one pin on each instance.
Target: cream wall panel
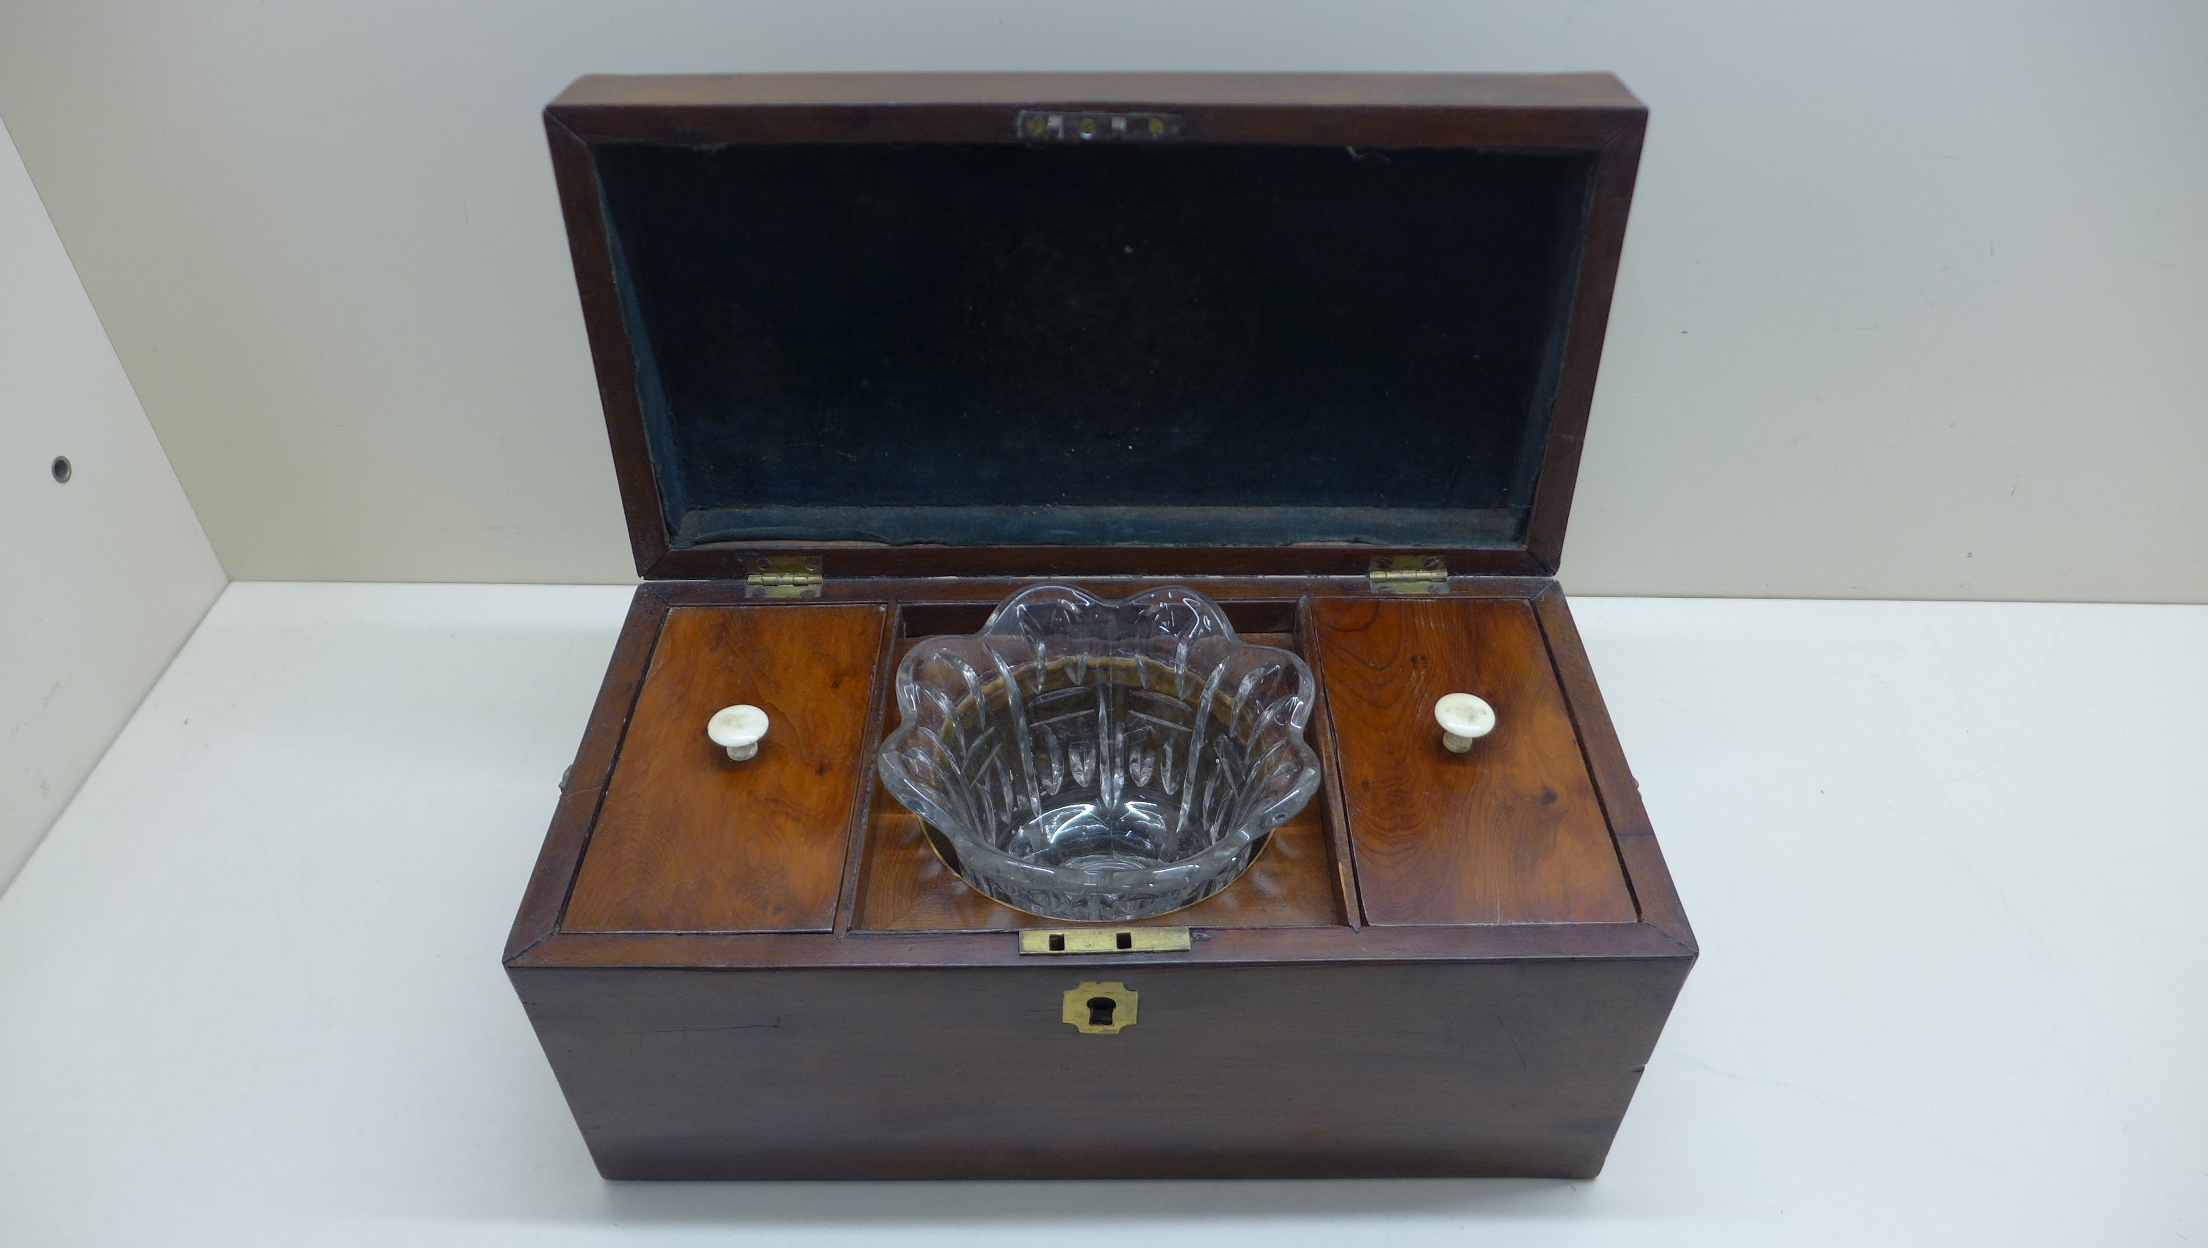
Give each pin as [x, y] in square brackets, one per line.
[102, 578]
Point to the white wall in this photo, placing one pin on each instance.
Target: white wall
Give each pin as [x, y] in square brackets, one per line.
[1914, 301]
[101, 579]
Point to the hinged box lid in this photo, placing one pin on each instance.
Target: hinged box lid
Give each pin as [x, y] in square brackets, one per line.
[1078, 324]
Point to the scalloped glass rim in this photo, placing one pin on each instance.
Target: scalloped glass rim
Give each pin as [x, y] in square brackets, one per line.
[1054, 638]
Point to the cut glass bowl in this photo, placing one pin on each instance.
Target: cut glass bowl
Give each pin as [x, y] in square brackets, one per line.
[1101, 761]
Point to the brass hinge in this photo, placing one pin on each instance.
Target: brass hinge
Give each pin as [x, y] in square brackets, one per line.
[1409, 574]
[784, 576]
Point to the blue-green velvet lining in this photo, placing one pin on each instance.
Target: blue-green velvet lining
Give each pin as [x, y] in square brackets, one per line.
[1191, 344]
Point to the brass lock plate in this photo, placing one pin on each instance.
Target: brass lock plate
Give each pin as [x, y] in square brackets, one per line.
[1100, 1009]
[1104, 940]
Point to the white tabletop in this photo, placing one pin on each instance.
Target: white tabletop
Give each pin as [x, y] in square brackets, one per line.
[1946, 863]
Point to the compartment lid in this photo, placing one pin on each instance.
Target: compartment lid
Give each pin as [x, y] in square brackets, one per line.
[1076, 324]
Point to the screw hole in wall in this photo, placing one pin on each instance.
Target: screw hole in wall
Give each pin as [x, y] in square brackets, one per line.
[63, 469]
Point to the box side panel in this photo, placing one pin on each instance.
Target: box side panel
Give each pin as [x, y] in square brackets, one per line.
[584, 787]
[1497, 1068]
[1643, 860]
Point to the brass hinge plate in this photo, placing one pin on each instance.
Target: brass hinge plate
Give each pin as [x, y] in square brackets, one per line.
[1409, 574]
[1104, 940]
[784, 576]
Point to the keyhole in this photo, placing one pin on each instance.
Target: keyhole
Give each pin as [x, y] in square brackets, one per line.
[1100, 1011]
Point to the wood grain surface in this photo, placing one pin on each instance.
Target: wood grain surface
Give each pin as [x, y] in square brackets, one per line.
[1438, 1068]
[688, 841]
[583, 788]
[1508, 833]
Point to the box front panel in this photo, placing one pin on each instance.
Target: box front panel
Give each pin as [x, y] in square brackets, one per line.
[1439, 1069]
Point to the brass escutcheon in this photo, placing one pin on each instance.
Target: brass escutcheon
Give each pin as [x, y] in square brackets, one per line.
[1100, 1009]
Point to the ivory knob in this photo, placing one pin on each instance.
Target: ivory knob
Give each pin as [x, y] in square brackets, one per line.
[1463, 719]
[737, 729]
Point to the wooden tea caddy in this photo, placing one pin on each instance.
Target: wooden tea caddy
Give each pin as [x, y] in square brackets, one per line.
[877, 351]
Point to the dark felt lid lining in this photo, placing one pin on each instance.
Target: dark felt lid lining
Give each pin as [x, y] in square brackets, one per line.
[1179, 344]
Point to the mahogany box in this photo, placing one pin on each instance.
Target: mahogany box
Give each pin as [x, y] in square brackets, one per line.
[876, 352]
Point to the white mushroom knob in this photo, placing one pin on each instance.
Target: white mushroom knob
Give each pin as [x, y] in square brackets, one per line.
[738, 729]
[1463, 719]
